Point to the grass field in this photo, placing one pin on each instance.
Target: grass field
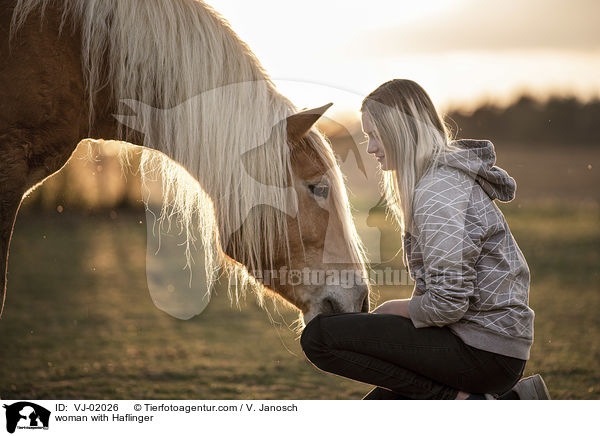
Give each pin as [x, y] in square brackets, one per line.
[79, 321]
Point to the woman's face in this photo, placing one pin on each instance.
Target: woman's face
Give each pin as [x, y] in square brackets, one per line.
[374, 146]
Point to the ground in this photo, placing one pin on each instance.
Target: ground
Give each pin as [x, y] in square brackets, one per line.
[79, 321]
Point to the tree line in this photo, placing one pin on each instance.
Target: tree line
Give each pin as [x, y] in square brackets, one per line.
[562, 120]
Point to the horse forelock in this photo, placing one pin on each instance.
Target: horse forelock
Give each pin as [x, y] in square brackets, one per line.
[320, 146]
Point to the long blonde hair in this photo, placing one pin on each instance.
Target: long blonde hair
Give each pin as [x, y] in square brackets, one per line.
[414, 137]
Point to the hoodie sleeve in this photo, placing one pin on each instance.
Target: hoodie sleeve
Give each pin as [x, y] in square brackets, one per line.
[447, 236]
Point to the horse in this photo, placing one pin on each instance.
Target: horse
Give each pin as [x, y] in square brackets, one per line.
[235, 155]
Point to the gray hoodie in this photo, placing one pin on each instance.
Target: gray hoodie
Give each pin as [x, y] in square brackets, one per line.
[469, 272]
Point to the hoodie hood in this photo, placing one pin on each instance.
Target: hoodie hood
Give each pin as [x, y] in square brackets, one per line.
[477, 159]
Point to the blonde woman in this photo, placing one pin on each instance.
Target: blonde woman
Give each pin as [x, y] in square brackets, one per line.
[467, 330]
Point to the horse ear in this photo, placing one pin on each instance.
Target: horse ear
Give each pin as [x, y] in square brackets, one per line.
[299, 124]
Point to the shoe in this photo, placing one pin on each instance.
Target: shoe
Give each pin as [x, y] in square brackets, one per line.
[532, 388]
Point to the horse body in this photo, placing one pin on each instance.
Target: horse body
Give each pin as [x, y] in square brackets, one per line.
[64, 75]
[41, 120]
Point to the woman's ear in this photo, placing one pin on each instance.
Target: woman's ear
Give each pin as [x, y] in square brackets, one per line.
[300, 123]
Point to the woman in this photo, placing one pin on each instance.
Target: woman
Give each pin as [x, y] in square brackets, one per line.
[467, 330]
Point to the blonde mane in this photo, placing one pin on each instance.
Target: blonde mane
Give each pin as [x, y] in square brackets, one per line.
[202, 99]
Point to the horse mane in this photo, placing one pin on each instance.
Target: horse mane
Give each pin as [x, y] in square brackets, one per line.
[202, 99]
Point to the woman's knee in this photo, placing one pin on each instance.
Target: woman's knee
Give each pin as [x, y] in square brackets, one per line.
[311, 339]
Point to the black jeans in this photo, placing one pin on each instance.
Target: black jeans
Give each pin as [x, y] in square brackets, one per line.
[402, 361]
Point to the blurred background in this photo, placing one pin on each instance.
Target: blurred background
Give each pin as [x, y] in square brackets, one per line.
[79, 320]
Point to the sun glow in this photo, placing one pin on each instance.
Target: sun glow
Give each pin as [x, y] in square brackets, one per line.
[461, 51]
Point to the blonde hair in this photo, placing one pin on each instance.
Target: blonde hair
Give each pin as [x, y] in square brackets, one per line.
[414, 137]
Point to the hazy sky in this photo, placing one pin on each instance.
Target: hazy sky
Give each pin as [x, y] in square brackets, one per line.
[460, 51]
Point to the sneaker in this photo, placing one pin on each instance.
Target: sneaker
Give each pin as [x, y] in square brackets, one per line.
[532, 388]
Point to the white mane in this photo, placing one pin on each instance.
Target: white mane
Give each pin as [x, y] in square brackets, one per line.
[202, 98]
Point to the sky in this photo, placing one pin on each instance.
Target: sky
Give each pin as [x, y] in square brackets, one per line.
[463, 52]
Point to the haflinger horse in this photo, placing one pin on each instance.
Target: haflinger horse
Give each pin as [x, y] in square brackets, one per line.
[171, 76]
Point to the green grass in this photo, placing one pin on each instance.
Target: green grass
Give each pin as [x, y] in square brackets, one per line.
[79, 321]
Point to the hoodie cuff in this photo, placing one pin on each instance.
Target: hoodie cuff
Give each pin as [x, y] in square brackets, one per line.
[416, 312]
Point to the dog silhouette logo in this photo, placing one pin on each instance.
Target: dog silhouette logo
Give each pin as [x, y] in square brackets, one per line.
[26, 415]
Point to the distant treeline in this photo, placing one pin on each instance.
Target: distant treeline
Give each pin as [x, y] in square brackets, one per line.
[562, 120]
[99, 184]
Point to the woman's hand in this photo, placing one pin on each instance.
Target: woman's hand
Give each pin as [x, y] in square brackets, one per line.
[394, 307]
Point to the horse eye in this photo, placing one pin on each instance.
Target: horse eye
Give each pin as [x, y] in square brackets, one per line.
[319, 190]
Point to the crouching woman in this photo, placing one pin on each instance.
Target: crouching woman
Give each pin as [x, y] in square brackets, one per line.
[467, 330]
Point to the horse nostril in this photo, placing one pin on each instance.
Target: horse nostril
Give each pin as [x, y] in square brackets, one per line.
[329, 306]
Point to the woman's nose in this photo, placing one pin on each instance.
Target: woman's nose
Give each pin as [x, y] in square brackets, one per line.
[371, 148]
